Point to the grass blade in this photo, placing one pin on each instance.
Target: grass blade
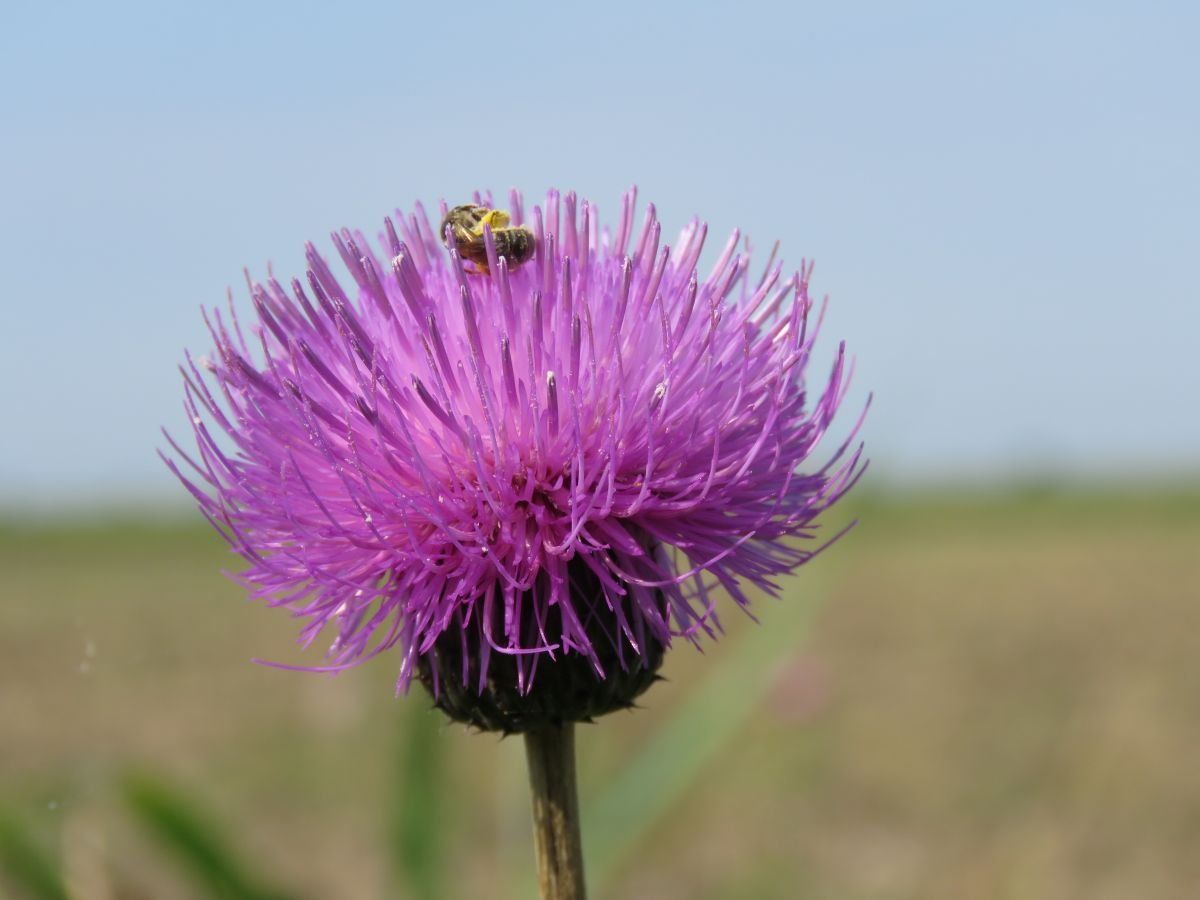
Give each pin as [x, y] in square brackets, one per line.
[195, 843]
[27, 867]
[617, 817]
[417, 818]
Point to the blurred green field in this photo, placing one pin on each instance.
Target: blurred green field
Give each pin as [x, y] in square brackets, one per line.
[989, 696]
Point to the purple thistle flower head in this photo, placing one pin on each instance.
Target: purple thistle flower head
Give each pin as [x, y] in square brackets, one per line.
[526, 453]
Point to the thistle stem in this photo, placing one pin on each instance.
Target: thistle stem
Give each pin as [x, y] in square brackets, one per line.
[556, 842]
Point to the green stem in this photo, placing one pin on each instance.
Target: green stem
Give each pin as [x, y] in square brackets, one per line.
[556, 841]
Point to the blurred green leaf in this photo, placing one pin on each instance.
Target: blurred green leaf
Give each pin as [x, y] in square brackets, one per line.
[196, 843]
[618, 816]
[417, 824]
[26, 865]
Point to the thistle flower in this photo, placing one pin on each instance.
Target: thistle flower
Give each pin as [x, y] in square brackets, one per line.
[528, 478]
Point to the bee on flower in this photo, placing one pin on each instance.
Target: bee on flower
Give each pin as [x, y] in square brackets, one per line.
[525, 453]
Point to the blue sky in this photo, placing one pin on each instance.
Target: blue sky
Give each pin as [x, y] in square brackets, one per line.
[1002, 203]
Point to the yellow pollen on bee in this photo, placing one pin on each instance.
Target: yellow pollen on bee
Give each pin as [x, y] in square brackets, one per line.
[493, 219]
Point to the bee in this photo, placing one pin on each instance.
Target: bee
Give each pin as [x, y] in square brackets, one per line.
[516, 244]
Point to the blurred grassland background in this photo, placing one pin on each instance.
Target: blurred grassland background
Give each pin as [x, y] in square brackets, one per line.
[982, 692]
[975, 695]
